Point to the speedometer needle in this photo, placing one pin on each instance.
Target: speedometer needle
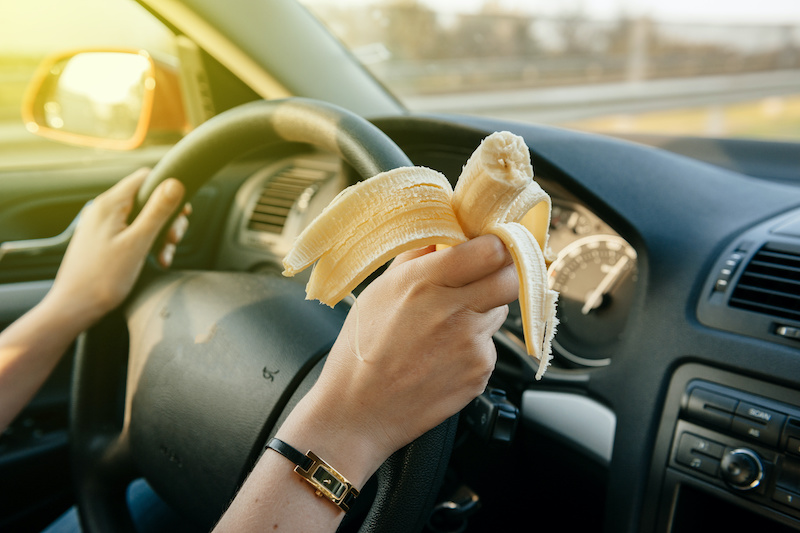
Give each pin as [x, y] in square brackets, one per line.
[596, 296]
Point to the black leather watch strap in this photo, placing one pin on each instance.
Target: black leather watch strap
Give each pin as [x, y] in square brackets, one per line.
[325, 479]
[291, 453]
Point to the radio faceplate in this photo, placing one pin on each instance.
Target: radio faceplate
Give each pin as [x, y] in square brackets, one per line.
[742, 442]
[727, 454]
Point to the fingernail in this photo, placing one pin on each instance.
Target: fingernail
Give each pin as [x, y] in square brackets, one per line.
[179, 227]
[167, 254]
[173, 189]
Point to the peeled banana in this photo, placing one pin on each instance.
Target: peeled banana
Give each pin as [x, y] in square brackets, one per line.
[406, 208]
[368, 224]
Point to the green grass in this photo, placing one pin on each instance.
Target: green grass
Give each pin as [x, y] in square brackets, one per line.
[776, 117]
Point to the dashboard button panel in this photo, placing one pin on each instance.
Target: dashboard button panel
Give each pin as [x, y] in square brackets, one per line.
[758, 423]
[793, 445]
[699, 454]
[742, 469]
[711, 407]
[786, 498]
[741, 442]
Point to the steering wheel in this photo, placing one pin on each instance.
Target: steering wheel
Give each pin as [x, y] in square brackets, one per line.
[212, 362]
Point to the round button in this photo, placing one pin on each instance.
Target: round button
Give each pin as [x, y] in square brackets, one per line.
[742, 469]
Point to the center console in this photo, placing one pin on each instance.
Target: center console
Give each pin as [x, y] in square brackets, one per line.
[732, 456]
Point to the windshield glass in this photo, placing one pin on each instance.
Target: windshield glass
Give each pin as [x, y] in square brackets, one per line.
[720, 69]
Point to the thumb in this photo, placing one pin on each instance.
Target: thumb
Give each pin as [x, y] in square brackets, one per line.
[160, 207]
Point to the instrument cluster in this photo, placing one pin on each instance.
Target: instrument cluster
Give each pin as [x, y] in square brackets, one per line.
[595, 273]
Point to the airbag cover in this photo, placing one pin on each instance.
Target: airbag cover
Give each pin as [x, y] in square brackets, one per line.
[214, 357]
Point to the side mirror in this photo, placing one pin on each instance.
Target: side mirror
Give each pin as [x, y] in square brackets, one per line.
[105, 99]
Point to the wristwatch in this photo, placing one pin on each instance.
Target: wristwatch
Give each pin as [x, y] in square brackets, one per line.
[325, 479]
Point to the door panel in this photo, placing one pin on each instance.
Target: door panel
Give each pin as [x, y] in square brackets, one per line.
[43, 186]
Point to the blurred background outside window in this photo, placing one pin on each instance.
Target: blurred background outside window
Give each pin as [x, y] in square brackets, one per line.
[686, 67]
[722, 69]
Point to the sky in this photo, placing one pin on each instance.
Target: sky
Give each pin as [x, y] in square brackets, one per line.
[722, 11]
[41, 25]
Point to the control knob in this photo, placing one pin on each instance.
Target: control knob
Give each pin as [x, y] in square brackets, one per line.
[742, 469]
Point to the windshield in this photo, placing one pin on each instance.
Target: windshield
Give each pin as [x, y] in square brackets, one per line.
[720, 69]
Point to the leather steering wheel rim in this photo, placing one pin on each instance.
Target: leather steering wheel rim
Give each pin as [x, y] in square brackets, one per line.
[407, 482]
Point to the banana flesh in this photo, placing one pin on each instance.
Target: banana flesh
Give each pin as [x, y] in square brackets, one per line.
[368, 224]
[491, 181]
[406, 208]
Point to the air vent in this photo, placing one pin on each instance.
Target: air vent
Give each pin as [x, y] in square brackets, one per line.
[770, 284]
[279, 195]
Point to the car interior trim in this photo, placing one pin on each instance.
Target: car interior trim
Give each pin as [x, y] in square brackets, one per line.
[19, 298]
[585, 423]
[220, 47]
[349, 84]
[57, 244]
[722, 306]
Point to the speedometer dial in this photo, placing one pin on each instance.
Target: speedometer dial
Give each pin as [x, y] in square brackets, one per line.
[595, 277]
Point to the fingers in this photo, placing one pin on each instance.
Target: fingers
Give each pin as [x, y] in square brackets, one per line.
[478, 276]
[499, 316]
[495, 290]
[468, 262]
[161, 205]
[176, 232]
[166, 255]
[177, 229]
[122, 193]
[114, 207]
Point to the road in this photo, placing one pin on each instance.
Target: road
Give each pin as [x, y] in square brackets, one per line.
[564, 104]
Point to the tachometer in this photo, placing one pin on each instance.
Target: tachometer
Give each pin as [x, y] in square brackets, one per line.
[596, 277]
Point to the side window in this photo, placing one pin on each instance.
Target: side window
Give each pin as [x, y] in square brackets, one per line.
[34, 30]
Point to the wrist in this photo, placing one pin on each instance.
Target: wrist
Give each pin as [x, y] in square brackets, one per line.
[64, 314]
[351, 451]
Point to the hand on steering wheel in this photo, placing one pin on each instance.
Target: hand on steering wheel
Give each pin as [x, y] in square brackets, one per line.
[106, 254]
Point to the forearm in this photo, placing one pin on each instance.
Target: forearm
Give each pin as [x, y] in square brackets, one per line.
[29, 350]
[274, 497]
